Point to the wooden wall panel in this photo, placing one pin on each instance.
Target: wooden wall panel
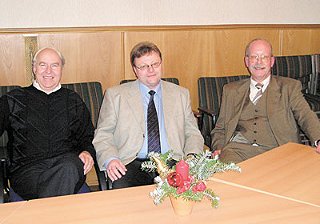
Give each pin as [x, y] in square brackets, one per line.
[12, 66]
[301, 41]
[89, 56]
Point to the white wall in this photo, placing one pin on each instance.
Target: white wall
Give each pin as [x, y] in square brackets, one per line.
[83, 13]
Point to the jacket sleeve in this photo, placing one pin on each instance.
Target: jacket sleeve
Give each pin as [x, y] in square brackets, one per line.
[305, 117]
[218, 134]
[85, 131]
[193, 139]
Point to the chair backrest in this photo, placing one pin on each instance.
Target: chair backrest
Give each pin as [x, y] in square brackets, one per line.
[3, 91]
[173, 80]
[92, 95]
[297, 67]
[315, 78]
[210, 92]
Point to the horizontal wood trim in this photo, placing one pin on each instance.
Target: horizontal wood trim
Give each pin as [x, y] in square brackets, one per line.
[152, 28]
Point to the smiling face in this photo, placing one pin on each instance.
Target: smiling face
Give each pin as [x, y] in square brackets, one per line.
[259, 60]
[47, 69]
[148, 69]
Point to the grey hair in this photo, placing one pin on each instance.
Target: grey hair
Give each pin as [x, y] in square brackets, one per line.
[34, 60]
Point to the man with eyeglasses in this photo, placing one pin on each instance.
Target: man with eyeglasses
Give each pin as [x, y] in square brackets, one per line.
[50, 133]
[143, 116]
[262, 112]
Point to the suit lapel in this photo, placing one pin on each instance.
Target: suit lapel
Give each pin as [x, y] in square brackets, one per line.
[273, 97]
[168, 103]
[238, 101]
[167, 99]
[135, 105]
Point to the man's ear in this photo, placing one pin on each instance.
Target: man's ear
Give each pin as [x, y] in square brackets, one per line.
[272, 61]
[246, 61]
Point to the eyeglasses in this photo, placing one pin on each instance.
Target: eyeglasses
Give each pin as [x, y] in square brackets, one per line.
[263, 58]
[146, 67]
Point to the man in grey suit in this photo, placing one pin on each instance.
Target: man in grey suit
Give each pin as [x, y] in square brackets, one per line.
[262, 112]
[123, 138]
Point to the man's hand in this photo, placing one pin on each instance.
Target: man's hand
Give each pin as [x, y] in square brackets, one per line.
[87, 160]
[116, 169]
[216, 152]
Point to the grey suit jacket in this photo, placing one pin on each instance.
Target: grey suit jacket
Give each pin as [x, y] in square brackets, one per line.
[121, 125]
[287, 109]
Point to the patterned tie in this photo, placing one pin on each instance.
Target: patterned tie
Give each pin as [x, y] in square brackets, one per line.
[259, 93]
[153, 126]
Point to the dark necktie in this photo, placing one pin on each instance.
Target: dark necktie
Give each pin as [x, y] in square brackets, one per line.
[259, 93]
[153, 126]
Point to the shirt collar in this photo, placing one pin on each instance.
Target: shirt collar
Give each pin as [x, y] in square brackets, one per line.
[265, 83]
[37, 86]
[145, 90]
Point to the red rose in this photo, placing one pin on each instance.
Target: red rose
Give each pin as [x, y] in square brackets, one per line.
[175, 179]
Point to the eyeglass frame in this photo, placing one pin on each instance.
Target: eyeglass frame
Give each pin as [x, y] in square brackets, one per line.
[257, 57]
[146, 67]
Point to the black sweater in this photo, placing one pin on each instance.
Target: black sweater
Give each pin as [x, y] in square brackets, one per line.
[42, 126]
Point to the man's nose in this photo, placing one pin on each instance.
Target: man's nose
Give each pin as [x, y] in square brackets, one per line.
[150, 68]
[48, 69]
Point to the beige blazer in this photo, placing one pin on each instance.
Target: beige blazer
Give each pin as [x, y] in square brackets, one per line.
[121, 125]
[286, 108]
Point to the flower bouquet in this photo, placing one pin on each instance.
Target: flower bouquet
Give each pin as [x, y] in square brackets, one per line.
[187, 178]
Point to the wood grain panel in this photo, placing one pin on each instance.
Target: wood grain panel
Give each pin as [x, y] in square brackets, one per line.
[89, 56]
[12, 66]
[301, 41]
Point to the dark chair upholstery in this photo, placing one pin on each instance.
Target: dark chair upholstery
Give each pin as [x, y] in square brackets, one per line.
[210, 92]
[301, 68]
[4, 188]
[315, 79]
[92, 95]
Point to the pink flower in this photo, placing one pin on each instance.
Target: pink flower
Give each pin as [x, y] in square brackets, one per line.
[199, 187]
[186, 185]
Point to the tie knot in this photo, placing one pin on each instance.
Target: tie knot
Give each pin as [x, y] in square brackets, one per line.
[152, 92]
[259, 86]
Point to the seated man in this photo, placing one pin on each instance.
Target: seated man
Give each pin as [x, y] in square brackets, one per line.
[143, 116]
[262, 112]
[50, 133]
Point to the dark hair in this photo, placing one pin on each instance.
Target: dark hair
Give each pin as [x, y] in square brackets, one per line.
[142, 49]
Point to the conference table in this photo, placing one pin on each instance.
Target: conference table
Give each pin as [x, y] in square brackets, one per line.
[291, 171]
[240, 202]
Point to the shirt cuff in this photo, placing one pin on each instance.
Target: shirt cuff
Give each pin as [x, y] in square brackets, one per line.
[316, 143]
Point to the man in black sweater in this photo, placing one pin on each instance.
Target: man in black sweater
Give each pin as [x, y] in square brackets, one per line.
[50, 133]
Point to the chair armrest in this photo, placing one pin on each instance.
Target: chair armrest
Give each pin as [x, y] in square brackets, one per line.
[198, 116]
[2, 179]
[207, 111]
[3, 174]
[101, 177]
[210, 113]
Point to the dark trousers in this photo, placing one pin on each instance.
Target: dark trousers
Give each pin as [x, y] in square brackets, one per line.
[60, 175]
[134, 176]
